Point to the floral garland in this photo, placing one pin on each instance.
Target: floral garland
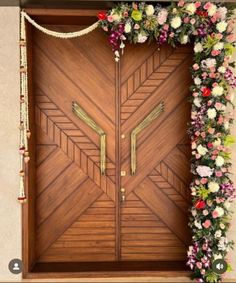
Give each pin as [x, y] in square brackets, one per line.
[210, 27]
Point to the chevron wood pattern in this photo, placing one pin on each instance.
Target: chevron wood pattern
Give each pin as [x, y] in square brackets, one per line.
[158, 194]
[78, 214]
[145, 80]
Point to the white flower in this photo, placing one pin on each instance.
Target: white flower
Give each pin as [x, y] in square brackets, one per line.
[198, 47]
[222, 244]
[227, 204]
[202, 150]
[116, 17]
[184, 39]
[220, 211]
[226, 125]
[209, 63]
[162, 16]
[149, 10]
[218, 46]
[190, 8]
[216, 143]
[198, 224]
[221, 26]
[197, 102]
[217, 90]
[204, 171]
[218, 234]
[194, 212]
[222, 69]
[222, 11]
[141, 38]
[212, 10]
[213, 187]
[219, 161]
[176, 22]
[197, 81]
[217, 256]
[128, 28]
[222, 226]
[211, 113]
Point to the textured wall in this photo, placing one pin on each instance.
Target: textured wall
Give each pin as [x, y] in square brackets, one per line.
[10, 210]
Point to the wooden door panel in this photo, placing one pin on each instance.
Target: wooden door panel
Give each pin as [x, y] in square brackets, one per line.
[154, 217]
[72, 195]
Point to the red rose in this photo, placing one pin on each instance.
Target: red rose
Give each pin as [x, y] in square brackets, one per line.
[210, 145]
[200, 204]
[202, 13]
[206, 92]
[102, 15]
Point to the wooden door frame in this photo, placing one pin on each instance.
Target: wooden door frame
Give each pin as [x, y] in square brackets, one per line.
[64, 16]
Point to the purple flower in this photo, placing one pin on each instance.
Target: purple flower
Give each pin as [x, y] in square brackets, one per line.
[228, 190]
[230, 78]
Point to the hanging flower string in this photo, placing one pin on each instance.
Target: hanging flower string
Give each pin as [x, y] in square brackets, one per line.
[210, 27]
[24, 117]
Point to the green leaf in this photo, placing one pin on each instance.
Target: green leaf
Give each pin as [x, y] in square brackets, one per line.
[229, 48]
[229, 140]
[212, 277]
[210, 42]
[203, 192]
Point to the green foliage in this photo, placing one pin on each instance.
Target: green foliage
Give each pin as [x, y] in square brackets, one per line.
[212, 277]
[229, 140]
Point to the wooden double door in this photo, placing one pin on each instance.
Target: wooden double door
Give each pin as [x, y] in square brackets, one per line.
[83, 215]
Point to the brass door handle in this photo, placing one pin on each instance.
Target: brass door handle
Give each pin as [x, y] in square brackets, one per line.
[122, 195]
[145, 123]
[80, 112]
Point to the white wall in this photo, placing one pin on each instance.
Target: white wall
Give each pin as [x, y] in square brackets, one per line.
[10, 209]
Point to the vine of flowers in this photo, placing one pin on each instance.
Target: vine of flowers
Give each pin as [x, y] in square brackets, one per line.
[209, 27]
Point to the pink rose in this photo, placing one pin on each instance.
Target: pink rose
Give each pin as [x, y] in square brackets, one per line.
[198, 156]
[181, 3]
[215, 214]
[198, 4]
[186, 20]
[207, 6]
[204, 75]
[136, 26]
[204, 181]
[207, 224]
[199, 265]
[166, 27]
[230, 37]
[218, 105]
[218, 174]
[203, 135]
[215, 84]
[192, 21]
[195, 94]
[211, 131]
[110, 19]
[172, 34]
[212, 75]
[215, 52]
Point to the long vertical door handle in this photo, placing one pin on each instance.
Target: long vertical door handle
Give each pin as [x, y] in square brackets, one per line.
[80, 112]
[146, 122]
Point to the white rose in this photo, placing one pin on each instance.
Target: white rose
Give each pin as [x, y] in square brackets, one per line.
[198, 47]
[197, 102]
[219, 161]
[184, 39]
[176, 22]
[190, 8]
[141, 38]
[209, 63]
[226, 125]
[202, 150]
[222, 11]
[116, 17]
[222, 226]
[218, 46]
[198, 224]
[211, 113]
[217, 256]
[128, 28]
[217, 90]
[212, 10]
[149, 10]
[197, 81]
[218, 234]
[222, 70]
[204, 171]
[227, 204]
[221, 26]
[213, 187]
[220, 211]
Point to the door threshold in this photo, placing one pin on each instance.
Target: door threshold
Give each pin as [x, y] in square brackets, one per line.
[108, 269]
